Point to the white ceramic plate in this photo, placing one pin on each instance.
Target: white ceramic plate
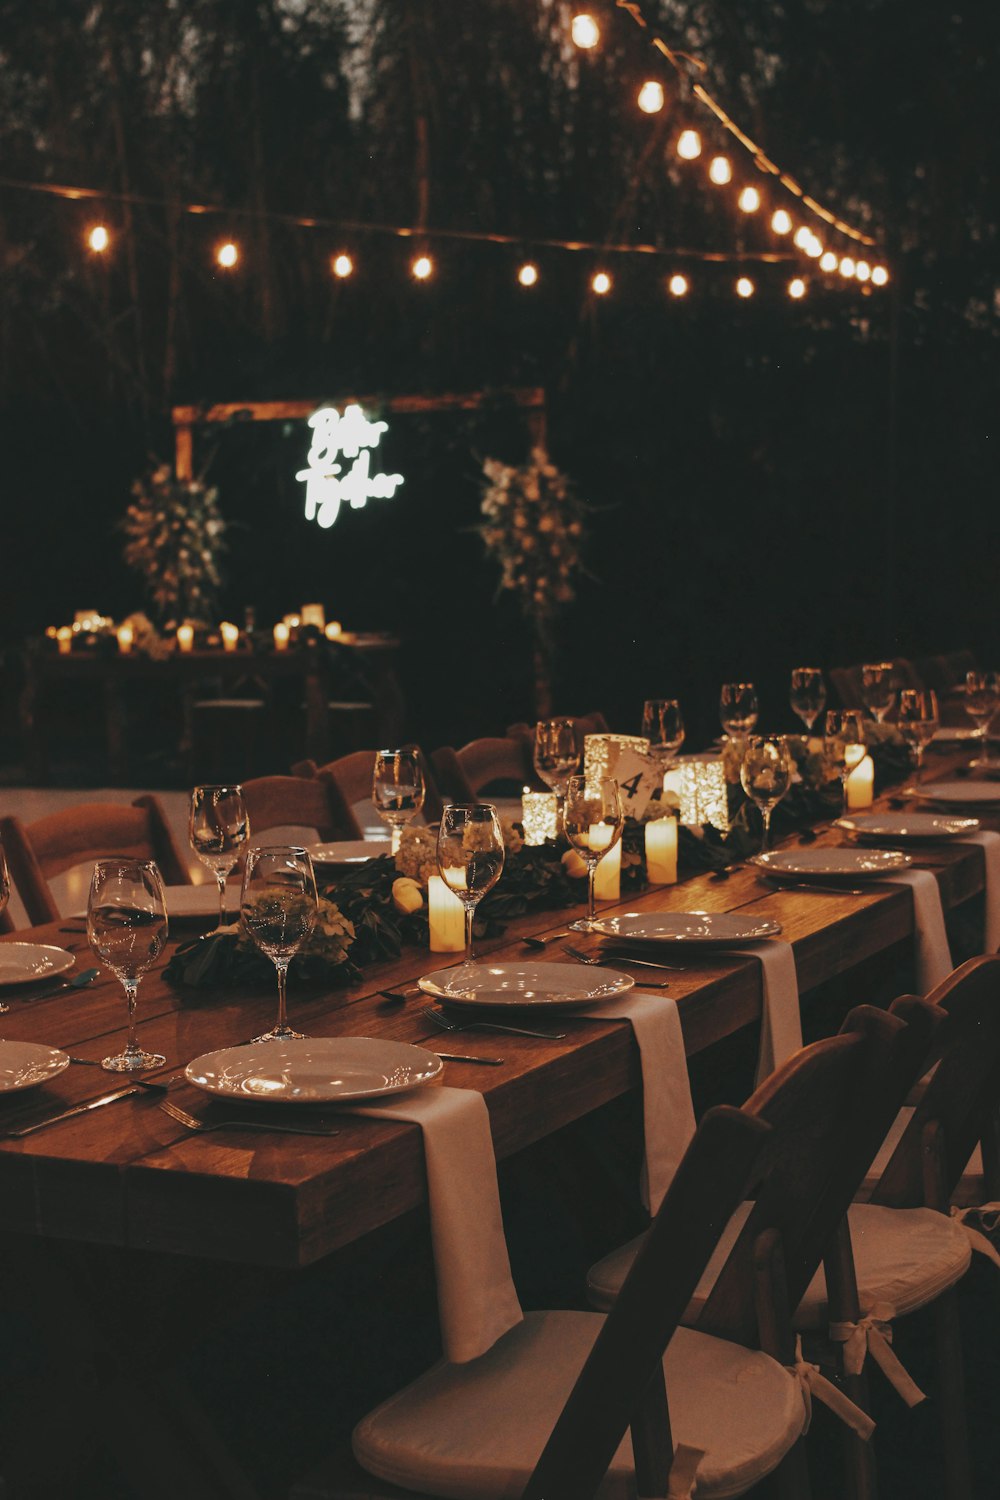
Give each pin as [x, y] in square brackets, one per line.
[832, 864]
[902, 827]
[22, 963]
[189, 903]
[958, 793]
[349, 852]
[314, 1070]
[718, 929]
[955, 734]
[23, 1064]
[529, 984]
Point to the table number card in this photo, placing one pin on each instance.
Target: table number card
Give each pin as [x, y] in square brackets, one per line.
[639, 778]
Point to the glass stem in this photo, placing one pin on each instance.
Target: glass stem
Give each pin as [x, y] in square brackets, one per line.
[591, 879]
[220, 876]
[281, 965]
[131, 987]
[765, 813]
[843, 781]
[470, 912]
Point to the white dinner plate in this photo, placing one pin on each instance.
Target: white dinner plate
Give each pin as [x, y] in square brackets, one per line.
[21, 963]
[955, 734]
[716, 928]
[314, 1070]
[525, 984]
[23, 1064]
[958, 793]
[832, 864]
[189, 903]
[348, 852]
[906, 826]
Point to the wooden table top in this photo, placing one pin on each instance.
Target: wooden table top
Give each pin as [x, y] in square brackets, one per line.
[129, 1175]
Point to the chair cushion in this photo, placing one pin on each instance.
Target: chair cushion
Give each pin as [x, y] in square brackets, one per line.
[903, 1256]
[477, 1430]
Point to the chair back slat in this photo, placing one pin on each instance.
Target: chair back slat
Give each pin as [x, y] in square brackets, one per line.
[296, 802]
[481, 763]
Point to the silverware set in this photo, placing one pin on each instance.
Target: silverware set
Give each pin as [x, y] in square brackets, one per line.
[446, 1024]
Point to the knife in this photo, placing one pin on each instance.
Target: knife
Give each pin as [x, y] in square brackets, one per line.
[78, 1109]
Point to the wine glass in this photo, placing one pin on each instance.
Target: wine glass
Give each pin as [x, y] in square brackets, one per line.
[470, 854]
[278, 911]
[878, 688]
[663, 727]
[766, 774]
[982, 697]
[218, 829]
[127, 928]
[844, 742]
[808, 694]
[593, 819]
[918, 718]
[738, 708]
[4, 898]
[397, 789]
[556, 753]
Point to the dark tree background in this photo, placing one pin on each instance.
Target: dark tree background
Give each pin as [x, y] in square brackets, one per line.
[775, 480]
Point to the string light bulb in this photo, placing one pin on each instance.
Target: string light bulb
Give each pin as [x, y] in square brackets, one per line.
[689, 145]
[585, 31]
[651, 97]
[796, 288]
[342, 266]
[749, 200]
[227, 255]
[678, 285]
[601, 283]
[847, 267]
[528, 274]
[814, 249]
[720, 170]
[879, 275]
[781, 221]
[828, 261]
[422, 268]
[98, 239]
[745, 287]
[863, 271]
[802, 236]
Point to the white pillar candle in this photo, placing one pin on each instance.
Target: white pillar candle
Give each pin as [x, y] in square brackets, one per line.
[607, 880]
[446, 916]
[861, 785]
[334, 630]
[64, 636]
[313, 614]
[281, 636]
[539, 816]
[661, 851]
[185, 637]
[230, 635]
[126, 636]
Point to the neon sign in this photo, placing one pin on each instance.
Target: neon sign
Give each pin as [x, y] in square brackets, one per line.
[349, 436]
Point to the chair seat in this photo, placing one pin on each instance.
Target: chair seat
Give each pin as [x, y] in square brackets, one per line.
[903, 1256]
[476, 1430]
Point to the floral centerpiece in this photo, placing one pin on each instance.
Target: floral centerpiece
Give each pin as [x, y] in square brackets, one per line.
[175, 534]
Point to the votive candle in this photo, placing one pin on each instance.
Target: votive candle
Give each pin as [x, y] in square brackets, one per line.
[861, 785]
[313, 614]
[185, 638]
[607, 877]
[126, 636]
[661, 851]
[230, 635]
[539, 816]
[64, 639]
[281, 636]
[446, 918]
[334, 630]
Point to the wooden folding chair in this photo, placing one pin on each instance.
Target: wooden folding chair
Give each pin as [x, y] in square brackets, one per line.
[352, 776]
[93, 830]
[499, 763]
[297, 802]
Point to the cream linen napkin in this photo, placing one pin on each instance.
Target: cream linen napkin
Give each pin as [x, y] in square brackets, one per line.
[933, 956]
[668, 1114]
[476, 1297]
[990, 845]
[781, 1020]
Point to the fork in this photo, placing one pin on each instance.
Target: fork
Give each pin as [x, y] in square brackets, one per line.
[446, 1025]
[193, 1123]
[586, 958]
[543, 942]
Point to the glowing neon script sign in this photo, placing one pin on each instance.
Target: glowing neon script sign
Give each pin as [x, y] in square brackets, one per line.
[327, 487]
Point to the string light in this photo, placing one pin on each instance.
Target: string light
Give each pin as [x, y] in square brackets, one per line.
[227, 255]
[678, 285]
[651, 97]
[422, 267]
[720, 170]
[342, 265]
[781, 221]
[601, 283]
[814, 249]
[847, 267]
[802, 236]
[689, 145]
[745, 287]
[863, 271]
[879, 275]
[828, 261]
[528, 274]
[749, 200]
[585, 31]
[98, 239]
[796, 288]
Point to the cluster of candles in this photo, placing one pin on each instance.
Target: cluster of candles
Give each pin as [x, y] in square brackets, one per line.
[88, 622]
[310, 615]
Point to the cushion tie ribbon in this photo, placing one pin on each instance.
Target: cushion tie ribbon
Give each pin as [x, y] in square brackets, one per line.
[812, 1382]
[872, 1334]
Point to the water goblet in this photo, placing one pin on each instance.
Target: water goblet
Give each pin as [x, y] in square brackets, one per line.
[470, 855]
[766, 774]
[278, 911]
[738, 708]
[593, 819]
[556, 752]
[397, 789]
[878, 688]
[808, 694]
[982, 698]
[127, 928]
[917, 720]
[663, 727]
[844, 742]
[218, 830]
[4, 898]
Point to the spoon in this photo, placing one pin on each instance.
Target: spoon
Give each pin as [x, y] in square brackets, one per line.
[78, 982]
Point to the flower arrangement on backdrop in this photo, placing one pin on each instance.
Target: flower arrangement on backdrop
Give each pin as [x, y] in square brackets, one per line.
[175, 535]
[534, 525]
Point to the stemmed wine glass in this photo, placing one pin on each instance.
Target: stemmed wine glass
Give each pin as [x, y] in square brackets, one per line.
[982, 698]
[593, 819]
[127, 928]
[878, 688]
[397, 789]
[218, 829]
[4, 898]
[918, 718]
[844, 742]
[766, 774]
[278, 910]
[738, 709]
[663, 727]
[808, 694]
[470, 854]
[556, 752]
